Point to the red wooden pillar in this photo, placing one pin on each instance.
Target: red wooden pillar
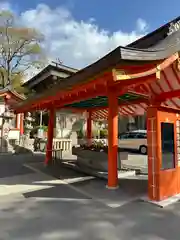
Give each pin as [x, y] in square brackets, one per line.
[21, 123]
[18, 121]
[112, 140]
[50, 137]
[89, 128]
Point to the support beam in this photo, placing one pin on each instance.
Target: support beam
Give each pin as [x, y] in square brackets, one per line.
[112, 140]
[168, 95]
[89, 128]
[50, 137]
[121, 75]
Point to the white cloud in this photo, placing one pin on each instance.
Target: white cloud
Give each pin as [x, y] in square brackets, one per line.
[141, 25]
[76, 43]
[4, 6]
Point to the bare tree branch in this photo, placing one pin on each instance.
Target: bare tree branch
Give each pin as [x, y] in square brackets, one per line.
[19, 48]
[23, 71]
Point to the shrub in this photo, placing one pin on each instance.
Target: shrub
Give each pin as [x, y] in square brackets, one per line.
[103, 133]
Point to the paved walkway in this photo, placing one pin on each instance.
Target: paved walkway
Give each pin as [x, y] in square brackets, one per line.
[91, 187]
[37, 205]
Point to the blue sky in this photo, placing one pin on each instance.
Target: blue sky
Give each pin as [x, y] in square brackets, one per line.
[115, 14]
[72, 36]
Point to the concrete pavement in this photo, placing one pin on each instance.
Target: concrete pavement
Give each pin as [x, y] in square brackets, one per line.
[39, 206]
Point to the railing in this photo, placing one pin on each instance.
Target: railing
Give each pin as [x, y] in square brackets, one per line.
[64, 144]
[60, 146]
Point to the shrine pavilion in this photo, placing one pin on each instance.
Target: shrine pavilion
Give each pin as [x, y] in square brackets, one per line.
[143, 76]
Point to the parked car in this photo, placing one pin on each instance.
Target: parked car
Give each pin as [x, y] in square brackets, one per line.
[135, 140]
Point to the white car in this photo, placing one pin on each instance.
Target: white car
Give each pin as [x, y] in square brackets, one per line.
[135, 140]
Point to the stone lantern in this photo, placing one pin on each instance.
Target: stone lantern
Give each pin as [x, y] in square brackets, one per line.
[26, 141]
[7, 117]
[28, 124]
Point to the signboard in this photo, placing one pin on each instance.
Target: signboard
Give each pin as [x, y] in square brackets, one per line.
[174, 27]
[40, 133]
[167, 145]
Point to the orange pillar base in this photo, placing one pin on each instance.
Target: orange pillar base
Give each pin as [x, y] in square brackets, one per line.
[112, 188]
[112, 140]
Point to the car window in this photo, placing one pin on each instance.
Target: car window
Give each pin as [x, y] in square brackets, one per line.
[132, 135]
[141, 135]
[124, 136]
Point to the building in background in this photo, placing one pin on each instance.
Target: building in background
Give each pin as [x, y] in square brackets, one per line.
[45, 79]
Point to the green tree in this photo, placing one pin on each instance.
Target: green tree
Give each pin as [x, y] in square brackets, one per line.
[20, 50]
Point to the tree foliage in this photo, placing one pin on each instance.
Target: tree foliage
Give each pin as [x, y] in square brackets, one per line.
[20, 50]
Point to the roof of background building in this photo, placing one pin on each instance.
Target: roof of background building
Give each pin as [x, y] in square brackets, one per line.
[48, 69]
[11, 91]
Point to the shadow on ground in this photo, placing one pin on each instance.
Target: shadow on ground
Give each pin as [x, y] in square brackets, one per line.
[130, 186]
[42, 219]
[63, 211]
[12, 165]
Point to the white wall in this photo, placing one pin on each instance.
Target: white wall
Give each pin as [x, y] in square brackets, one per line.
[13, 134]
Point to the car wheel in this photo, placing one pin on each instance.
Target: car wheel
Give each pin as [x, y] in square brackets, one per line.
[143, 149]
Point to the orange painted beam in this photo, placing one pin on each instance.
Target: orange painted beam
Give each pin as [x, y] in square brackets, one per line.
[145, 72]
[72, 98]
[139, 67]
[80, 110]
[120, 105]
[145, 77]
[167, 95]
[93, 85]
[133, 82]
[102, 114]
[75, 95]
[80, 93]
[96, 87]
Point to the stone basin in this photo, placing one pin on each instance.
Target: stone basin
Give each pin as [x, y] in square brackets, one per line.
[99, 160]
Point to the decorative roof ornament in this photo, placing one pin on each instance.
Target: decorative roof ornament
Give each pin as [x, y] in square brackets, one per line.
[58, 62]
[174, 27]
